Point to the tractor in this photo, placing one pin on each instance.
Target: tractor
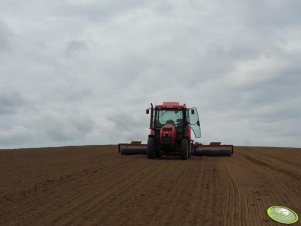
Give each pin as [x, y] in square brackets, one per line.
[170, 130]
[170, 135]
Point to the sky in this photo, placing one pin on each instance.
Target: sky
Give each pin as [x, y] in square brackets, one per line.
[83, 72]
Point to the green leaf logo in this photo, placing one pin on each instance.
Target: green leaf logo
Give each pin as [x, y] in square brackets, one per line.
[282, 214]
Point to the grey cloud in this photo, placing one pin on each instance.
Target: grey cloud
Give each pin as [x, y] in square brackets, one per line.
[273, 14]
[126, 120]
[163, 7]
[66, 94]
[10, 102]
[95, 11]
[128, 125]
[74, 47]
[17, 135]
[59, 127]
[5, 36]
[284, 88]
[84, 72]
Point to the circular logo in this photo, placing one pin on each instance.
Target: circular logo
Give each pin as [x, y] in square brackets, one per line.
[282, 214]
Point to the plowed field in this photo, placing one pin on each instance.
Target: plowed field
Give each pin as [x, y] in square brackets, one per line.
[95, 185]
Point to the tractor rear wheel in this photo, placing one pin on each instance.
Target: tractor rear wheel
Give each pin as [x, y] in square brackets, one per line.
[192, 150]
[189, 149]
[151, 152]
[185, 149]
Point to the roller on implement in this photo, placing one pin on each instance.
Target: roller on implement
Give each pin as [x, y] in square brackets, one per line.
[170, 135]
[135, 147]
[213, 149]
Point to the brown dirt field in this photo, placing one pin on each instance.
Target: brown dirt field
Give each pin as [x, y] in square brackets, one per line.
[95, 185]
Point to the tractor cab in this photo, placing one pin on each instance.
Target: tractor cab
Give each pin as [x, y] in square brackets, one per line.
[169, 116]
[176, 114]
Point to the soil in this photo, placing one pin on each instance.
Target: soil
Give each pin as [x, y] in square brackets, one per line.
[95, 185]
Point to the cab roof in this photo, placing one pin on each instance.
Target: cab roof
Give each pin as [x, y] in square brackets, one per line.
[167, 105]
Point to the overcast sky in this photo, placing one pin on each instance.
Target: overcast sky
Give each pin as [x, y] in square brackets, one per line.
[76, 72]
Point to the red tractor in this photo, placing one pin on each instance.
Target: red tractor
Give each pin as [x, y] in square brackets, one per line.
[170, 134]
[170, 130]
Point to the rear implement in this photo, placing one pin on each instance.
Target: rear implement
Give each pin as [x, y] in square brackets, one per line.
[213, 149]
[134, 148]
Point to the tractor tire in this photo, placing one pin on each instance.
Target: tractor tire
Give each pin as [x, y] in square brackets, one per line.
[185, 149]
[151, 152]
[189, 150]
[192, 150]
